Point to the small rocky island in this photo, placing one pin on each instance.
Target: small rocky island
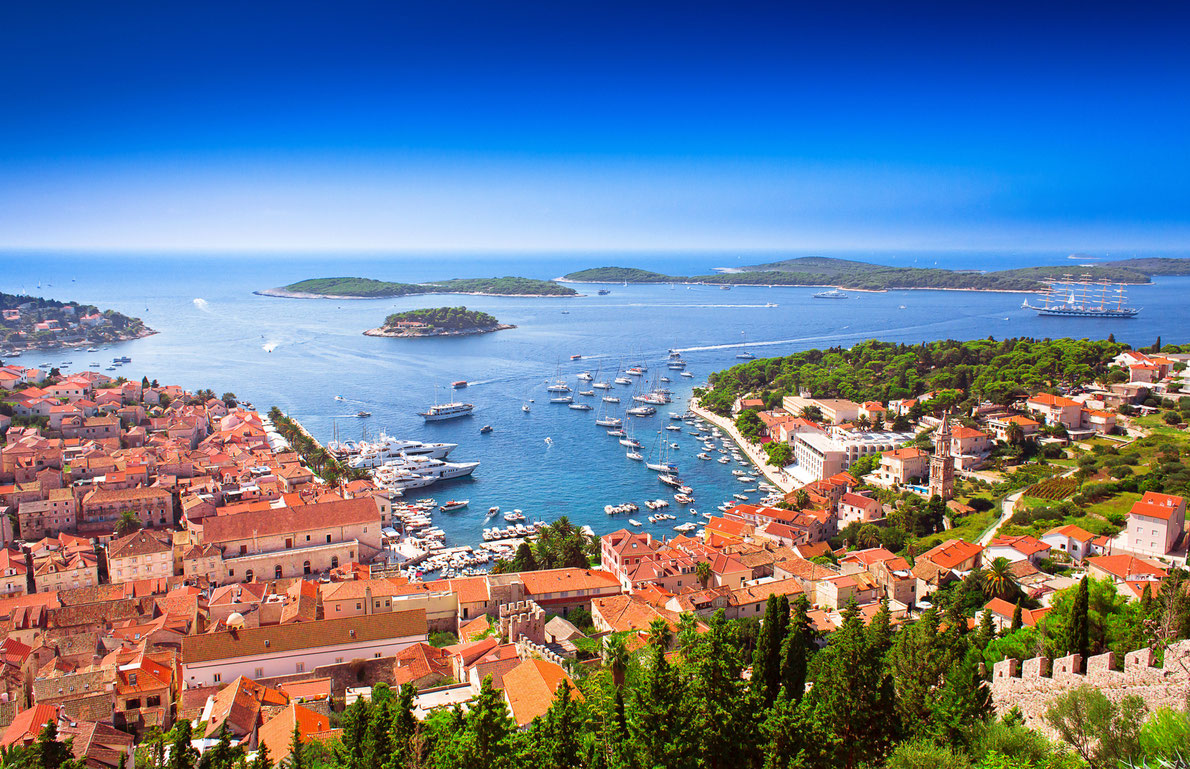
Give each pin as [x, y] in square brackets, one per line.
[438, 321]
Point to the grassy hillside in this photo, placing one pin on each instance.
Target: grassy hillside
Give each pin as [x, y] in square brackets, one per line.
[367, 287]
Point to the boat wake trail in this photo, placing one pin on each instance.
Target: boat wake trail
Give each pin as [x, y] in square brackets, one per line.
[269, 346]
[872, 333]
[202, 304]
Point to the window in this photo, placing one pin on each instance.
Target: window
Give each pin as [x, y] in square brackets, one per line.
[277, 572]
[305, 567]
[338, 607]
[243, 549]
[328, 539]
[334, 561]
[231, 572]
[132, 679]
[359, 606]
[258, 673]
[338, 660]
[300, 667]
[153, 702]
[377, 655]
[217, 678]
[248, 576]
[132, 704]
[307, 537]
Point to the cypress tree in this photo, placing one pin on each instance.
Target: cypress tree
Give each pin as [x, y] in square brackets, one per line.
[766, 661]
[296, 759]
[1079, 639]
[986, 630]
[182, 754]
[795, 651]
[658, 719]
[721, 722]
[854, 695]
[1017, 621]
[403, 727]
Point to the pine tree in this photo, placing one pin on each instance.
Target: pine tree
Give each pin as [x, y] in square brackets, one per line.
[793, 737]
[485, 740]
[963, 700]
[918, 661]
[378, 743]
[559, 730]
[1017, 620]
[356, 722]
[1079, 639]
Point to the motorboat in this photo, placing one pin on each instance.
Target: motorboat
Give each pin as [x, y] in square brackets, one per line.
[454, 505]
[610, 399]
[585, 376]
[580, 407]
[635, 456]
[458, 384]
[485, 429]
[687, 374]
[386, 449]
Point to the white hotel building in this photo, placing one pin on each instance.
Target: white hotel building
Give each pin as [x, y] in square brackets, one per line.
[821, 456]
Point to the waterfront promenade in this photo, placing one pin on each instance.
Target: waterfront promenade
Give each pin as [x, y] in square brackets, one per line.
[753, 451]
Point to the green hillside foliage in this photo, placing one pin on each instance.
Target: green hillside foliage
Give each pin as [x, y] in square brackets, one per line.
[981, 369]
[849, 273]
[367, 287]
[445, 318]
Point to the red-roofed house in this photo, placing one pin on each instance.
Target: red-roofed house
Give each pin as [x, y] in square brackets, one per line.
[900, 466]
[856, 509]
[1055, 410]
[1126, 570]
[1017, 548]
[1076, 542]
[1002, 612]
[529, 689]
[1000, 426]
[1155, 523]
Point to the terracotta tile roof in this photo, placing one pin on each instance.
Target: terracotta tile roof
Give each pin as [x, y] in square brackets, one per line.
[757, 593]
[419, 661]
[305, 635]
[474, 628]
[28, 724]
[1023, 543]
[869, 556]
[540, 583]
[951, 553]
[1160, 512]
[1053, 401]
[530, 687]
[904, 453]
[1071, 531]
[626, 612]
[307, 690]
[96, 744]
[239, 704]
[117, 496]
[1029, 617]
[143, 542]
[278, 732]
[1126, 567]
[288, 520]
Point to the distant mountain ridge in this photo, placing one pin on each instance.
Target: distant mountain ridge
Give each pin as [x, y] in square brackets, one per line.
[854, 274]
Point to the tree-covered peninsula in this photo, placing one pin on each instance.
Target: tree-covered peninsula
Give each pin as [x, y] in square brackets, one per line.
[864, 276]
[31, 322]
[981, 369]
[368, 288]
[438, 321]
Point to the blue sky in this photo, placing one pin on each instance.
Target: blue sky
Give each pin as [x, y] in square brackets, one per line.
[593, 125]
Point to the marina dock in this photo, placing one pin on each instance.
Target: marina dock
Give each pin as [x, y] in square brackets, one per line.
[776, 477]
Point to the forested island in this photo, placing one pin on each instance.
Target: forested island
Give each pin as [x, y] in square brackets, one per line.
[976, 370]
[864, 276]
[31, 322]
[368, 288]
[438, 321]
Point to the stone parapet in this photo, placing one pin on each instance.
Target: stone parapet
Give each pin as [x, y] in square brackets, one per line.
[1032, 684]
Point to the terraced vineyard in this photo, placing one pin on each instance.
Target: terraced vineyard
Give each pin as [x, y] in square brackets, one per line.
[1053, 489]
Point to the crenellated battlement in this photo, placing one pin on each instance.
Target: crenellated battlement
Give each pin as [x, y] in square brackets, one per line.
[1031, 684]
[522, 619]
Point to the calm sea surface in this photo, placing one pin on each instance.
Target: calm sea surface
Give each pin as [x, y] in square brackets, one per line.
[300, 354]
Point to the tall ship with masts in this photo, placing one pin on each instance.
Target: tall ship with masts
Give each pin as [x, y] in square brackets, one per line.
[1083, 298]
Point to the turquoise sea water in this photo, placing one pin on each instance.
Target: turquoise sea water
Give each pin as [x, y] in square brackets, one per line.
[215, 333]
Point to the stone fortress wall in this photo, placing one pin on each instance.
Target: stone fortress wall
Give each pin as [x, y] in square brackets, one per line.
[1031, 685]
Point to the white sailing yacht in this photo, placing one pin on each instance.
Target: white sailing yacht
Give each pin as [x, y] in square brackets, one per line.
[662, 465]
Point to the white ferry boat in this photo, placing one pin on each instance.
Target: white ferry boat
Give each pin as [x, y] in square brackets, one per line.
[441, 411]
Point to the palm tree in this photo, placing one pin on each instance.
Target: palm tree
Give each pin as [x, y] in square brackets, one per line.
[702, 570]
[998, 581]
[615, 656]
[1015, 434]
